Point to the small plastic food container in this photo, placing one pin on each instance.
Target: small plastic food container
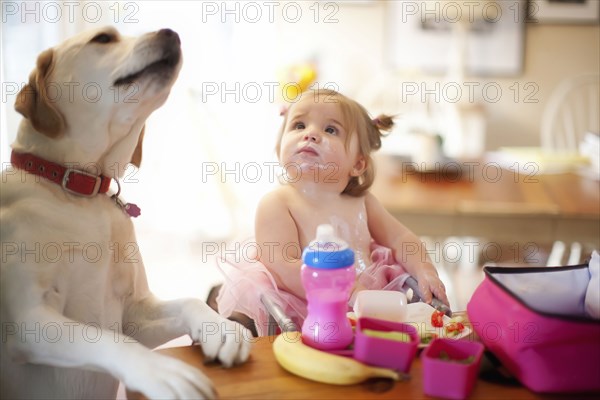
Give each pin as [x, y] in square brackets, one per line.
[450, 367]
[381, 304]
[385, 349]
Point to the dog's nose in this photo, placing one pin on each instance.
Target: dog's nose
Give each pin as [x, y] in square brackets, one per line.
[170, 34]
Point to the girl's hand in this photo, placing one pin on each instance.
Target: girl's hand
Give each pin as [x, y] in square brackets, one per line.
[430, 285]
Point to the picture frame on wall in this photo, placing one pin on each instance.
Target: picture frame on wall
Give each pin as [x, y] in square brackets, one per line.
[564, 11]
[422, 35]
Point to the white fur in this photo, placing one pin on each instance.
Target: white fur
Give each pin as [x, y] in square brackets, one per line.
[77, 314]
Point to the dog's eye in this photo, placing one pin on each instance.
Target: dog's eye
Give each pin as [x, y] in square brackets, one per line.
[103, 38]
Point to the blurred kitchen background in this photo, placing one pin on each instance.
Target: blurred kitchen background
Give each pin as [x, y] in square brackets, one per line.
[494, 158]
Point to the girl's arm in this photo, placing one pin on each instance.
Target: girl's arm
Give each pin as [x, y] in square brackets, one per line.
[277, 237]
[407, 248]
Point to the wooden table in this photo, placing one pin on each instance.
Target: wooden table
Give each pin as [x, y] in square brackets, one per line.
[262, 378]
[478, 198]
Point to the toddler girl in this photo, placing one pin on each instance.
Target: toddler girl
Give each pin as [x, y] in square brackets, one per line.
[325, 146]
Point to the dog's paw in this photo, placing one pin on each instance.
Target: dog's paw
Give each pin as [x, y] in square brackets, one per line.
[162, 377]
[225, 340]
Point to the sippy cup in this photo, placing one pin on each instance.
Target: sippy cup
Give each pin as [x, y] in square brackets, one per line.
[328, 277]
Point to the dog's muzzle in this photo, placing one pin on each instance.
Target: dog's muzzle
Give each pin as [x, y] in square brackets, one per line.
[170, 45]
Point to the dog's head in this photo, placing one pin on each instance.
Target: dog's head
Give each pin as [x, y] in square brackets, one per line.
[90, 96]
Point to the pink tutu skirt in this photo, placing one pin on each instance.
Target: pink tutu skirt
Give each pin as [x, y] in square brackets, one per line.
[246, 280]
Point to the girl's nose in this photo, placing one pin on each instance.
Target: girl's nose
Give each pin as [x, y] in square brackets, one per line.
[312, 137]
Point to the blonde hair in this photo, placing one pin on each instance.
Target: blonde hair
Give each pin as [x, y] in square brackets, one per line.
[356, 121]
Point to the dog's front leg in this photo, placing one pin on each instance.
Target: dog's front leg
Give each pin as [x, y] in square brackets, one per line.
[154, 322]
[155, 375]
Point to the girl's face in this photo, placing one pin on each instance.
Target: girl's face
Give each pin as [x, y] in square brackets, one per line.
[314, 139]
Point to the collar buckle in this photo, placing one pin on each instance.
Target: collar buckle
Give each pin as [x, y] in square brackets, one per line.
[66, 178]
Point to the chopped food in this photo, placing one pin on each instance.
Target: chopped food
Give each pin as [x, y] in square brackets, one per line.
[445, 357]
[437, 319]
[392, 335]
[454, 327]
[428, 338]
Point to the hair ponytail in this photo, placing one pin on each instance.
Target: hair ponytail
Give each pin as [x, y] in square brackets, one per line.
[384, 122]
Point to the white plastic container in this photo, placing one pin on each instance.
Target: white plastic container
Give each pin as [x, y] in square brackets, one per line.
[381, 304]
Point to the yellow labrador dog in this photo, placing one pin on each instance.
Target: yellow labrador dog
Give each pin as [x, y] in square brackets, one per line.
[77, 315]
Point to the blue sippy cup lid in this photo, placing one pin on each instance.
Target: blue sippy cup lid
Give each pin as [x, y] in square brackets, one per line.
[327, 251]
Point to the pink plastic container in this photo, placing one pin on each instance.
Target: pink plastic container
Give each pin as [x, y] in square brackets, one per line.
[446, 378]
[381, 352]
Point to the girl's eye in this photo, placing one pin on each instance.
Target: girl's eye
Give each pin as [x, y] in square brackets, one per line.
[331, 130]
[299, 125]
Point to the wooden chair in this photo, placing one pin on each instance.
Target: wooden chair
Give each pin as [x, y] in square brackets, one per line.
[572, 111]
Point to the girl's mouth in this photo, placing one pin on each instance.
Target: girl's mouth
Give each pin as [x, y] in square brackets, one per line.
[308, 150]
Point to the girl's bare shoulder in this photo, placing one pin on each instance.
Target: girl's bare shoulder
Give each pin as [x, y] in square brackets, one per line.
[278, 197]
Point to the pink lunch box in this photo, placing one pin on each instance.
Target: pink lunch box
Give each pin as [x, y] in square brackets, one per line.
[533, 320]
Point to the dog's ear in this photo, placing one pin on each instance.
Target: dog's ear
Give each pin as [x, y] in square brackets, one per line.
[136, 158]
[33, 102]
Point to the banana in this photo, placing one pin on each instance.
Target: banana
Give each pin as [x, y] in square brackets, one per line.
[316, 365]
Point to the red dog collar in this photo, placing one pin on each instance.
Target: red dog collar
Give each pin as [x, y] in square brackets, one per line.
[71, 180]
